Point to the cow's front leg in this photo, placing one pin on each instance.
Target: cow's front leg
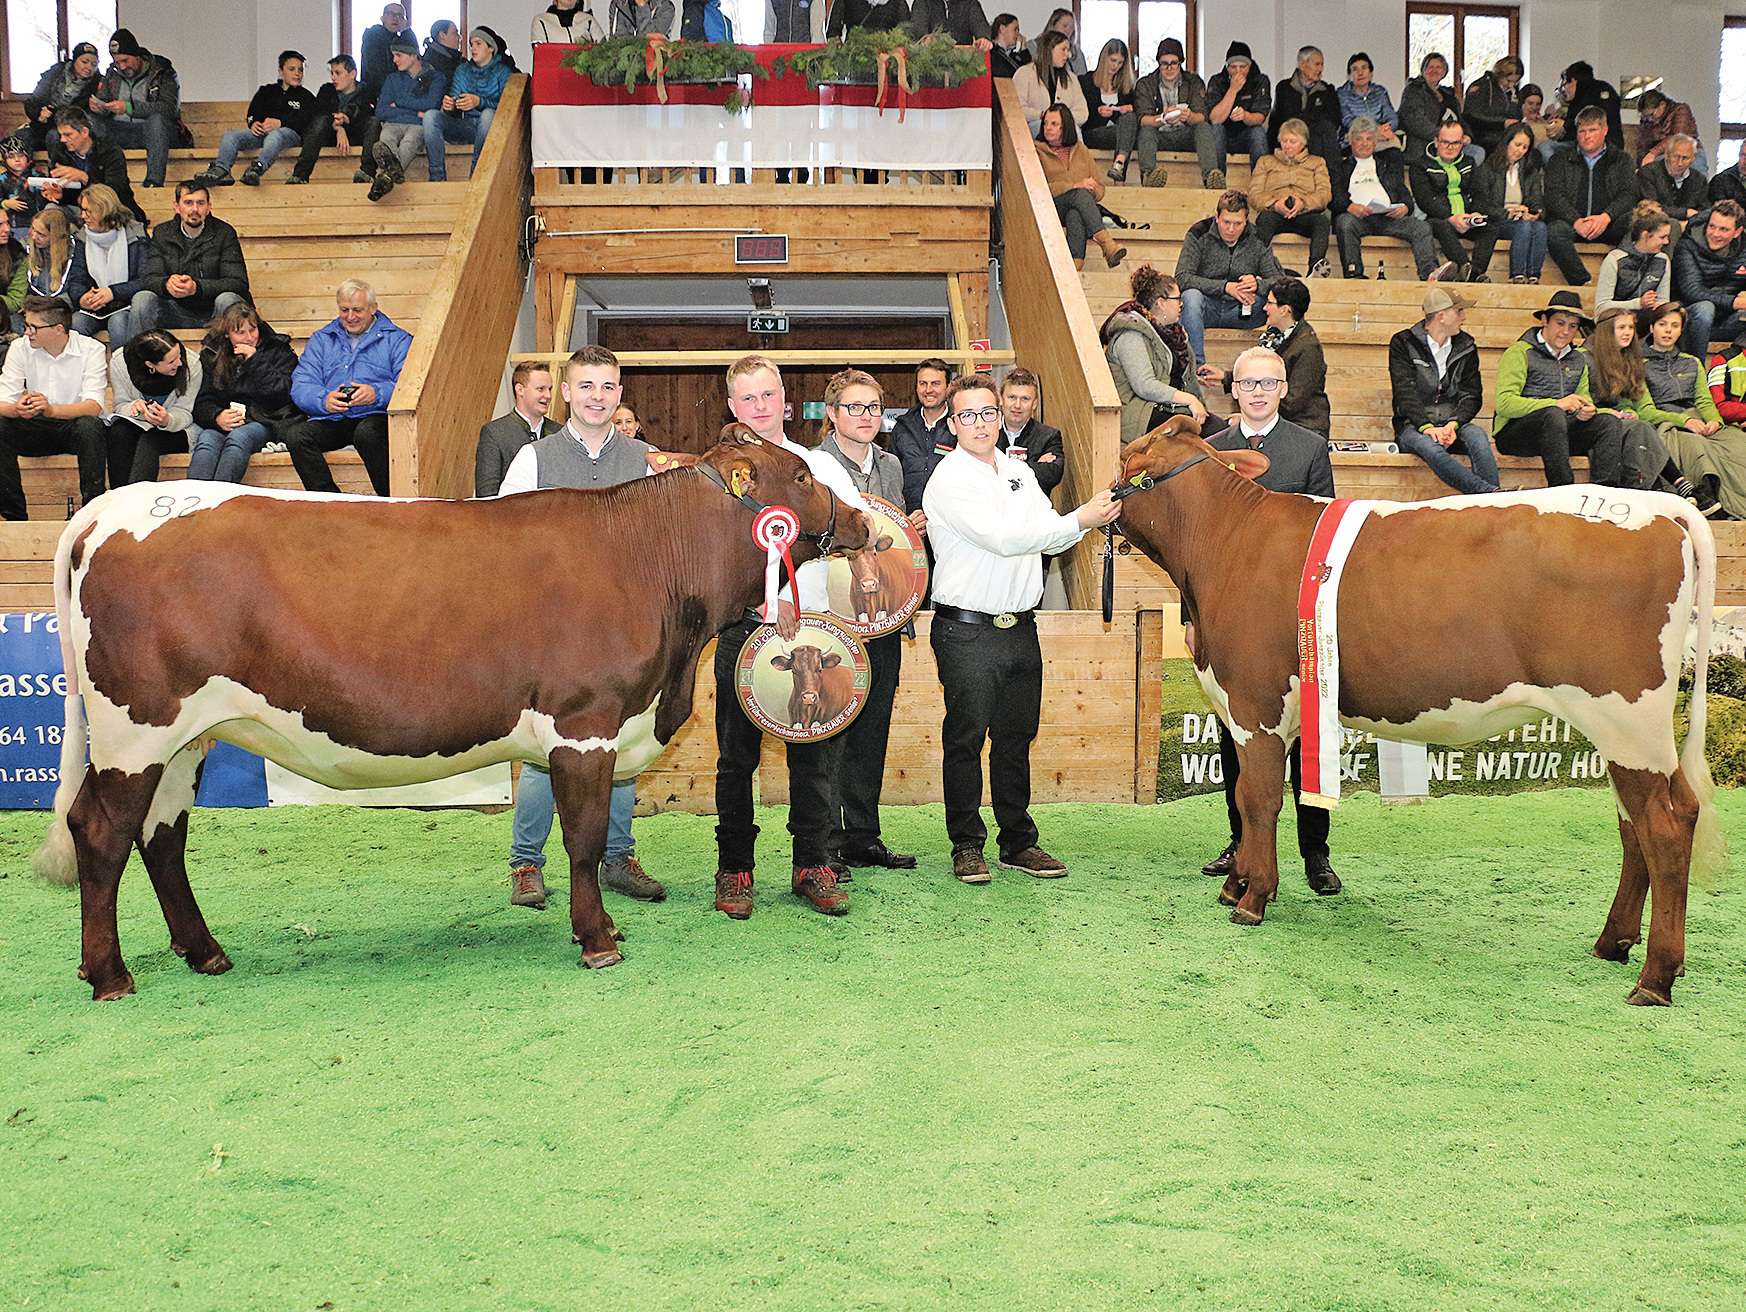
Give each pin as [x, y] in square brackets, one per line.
[1260, 793]
[582, 789]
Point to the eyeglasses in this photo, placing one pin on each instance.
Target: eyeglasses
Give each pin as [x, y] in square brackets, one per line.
[987, 415]
[31, 329]
[1257, 384]
[855, 409]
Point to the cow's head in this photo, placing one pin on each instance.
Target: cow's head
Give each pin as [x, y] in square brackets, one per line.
[864, 565]
[1174, 443]
[808, 664]
[771, 476]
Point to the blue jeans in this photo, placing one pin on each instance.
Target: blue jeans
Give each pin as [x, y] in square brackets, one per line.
[471, 125]
[271, 146]
[1470, 438]
[151, 134]
[1704, 322]
[1241, 137]
[1527, 247]
[533, 819]
[224, 457]
[1200, 312]
[119, 326]
[153, 311]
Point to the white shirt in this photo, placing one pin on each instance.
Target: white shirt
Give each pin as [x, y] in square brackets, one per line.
[1366, 188]
[79, 373]
[826, 469]
[1255, 436]
[1440, 353]
[989, 528]
[523, 474]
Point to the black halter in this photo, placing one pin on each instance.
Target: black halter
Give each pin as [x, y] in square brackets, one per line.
[1139, 483]
[822, 540]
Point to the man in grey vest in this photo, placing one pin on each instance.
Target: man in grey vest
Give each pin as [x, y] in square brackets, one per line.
[502, 438]
[587, 452]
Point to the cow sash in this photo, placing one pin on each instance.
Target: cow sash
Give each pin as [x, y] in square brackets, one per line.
[1318, 648]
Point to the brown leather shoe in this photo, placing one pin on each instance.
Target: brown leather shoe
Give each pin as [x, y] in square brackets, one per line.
[968, 867]
[626, 875]
[527, 888]
[818, 885]
[733, 893]
[1034, 862]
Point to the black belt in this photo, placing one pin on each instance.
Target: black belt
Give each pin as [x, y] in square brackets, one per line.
[1004, 620]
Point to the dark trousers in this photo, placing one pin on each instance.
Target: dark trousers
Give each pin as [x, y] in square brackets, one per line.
[1312, 821]
[854, 819]
[1350, 231]
[371, 135]
[1555, 436]
[310, 440]
[1561, 242]
[1449, 241]
[993, 681]
[135, 450]
[1316, 225]
[49, 437]
[1080, 219]
[738, 744]
[321, 137]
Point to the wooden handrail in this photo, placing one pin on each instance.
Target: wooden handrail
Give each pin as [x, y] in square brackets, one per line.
[450, 381]
[1053, 333]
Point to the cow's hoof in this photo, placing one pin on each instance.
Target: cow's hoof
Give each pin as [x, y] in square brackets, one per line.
[617, 936]
[83, 974]
[1642, 997]
[111, 992]
[1613, 949]
[601, 960]
[1243, 916]
[216, 964]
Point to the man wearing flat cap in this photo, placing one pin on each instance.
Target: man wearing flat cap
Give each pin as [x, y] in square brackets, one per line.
[1433, 372]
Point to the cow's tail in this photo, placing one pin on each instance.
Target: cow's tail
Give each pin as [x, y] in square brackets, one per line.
[55, 860]
[1709, 848]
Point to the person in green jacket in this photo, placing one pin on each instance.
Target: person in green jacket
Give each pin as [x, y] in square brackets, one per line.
[1711, 451]
[1619, 383]
[14, 285]
[1544, 407]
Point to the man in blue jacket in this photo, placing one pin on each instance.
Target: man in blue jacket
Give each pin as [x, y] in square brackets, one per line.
[411, 89]
[343, 385]
[467, 109]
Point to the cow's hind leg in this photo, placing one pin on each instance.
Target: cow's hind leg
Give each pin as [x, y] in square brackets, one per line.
[1663, 812]
[163, 845]
[582, 788]
[1624, 927]
[1260, 793]
[104, 818]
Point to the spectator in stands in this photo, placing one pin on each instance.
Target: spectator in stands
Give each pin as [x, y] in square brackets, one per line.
[1372, 198]
[51, 394]
[1533, 103]
[1305, 98]
[963, 20]
[1513, 186]
[1673, 183]
[1170, 104]
[1581, 89]
[1710, 451]
[1286, 306]
[801, 21]
[50, 254]
[1619, 383]
[68, 84]
[863, 15]
[411, 90]
[1239, 98]
[21, 187]
[138, 103]
[1449, 189]
[279, 114]
[530, 384]
[1025, 437]
[1709, 276]
[1150, 357]
[921, 435]
[1048, 81]
[470, 101]
[1361, 97]
[343, 385]
[1425, 105]
[378, 38]
[1661, 119]
[245, 394]
[344, 110]
[79, 159]
[1224, 269]
[1730, 183]
[1072, 177]
[1111, 123]
[1637, 274]
[442, 49]
[194, 269]
[1062, 21]
[640, 17]
[573, 21]
[152, 386]
[1590, 193]
[625, 420]
[1727, 379]
[1544, 406]
[1433, 375]
[109, 267]
[14, 287]
[1494, 104]
[1291, 192]
[1009, 51]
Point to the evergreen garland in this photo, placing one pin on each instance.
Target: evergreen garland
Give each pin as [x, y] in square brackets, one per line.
[630, 61]
[932, 61]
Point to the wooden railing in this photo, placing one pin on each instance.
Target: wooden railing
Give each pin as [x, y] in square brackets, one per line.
[1053, 334]
[450, 381]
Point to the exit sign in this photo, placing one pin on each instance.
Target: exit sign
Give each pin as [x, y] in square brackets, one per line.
[767, 322]
[762, 248]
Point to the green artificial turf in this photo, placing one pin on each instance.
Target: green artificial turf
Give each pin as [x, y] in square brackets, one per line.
[1092, 1093]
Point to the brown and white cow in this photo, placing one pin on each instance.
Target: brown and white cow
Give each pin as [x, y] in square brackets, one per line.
[1459, 618]
[822, 685]
[360, 641]
[879, 582]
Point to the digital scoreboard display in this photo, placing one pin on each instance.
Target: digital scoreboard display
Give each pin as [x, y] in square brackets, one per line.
[761, 249]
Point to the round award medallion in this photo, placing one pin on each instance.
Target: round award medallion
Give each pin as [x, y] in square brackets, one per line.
[808, 689]
[875, 591]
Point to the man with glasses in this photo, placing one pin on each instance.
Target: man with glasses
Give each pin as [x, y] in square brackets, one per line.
[1171, 103]
[51, 394]
[990, 524]
[1299, 463]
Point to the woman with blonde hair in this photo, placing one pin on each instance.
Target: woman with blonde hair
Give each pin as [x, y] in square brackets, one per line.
[1618, 380]
[1109, 94]
[109, 257]
[50, 253]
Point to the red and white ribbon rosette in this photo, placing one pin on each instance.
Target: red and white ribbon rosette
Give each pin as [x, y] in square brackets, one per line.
[774, 530]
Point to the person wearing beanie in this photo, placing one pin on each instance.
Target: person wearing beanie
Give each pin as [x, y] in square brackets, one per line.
[471, 100]
[138, 103]
[68, 84]
[1239, 97]
[412, 90]
[641, 17]
[1170, 103]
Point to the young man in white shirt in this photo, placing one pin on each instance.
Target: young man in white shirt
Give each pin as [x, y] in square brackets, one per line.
[51, 394]
[990, 525]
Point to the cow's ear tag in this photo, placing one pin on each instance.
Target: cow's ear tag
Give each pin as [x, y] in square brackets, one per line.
[737, 482]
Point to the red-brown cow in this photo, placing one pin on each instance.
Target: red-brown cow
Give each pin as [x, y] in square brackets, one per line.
[823, 685]
[1459, 619]
[360, 641]
[881, 581]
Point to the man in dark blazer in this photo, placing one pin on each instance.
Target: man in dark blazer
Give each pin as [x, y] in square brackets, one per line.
[1299, 464]
[500, 439]
[1023, 436]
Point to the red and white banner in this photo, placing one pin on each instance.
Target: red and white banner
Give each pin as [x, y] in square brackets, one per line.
[1318, 648]
[791, 124]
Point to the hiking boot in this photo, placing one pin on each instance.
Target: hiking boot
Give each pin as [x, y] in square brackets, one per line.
[252, 176]
[1118, 171]
[360, 176]
[1447, 271]
[1034, 862]
[380, 186]
[1222, 864]
[1158, 176]
[388, 162]
[968, 867]
[733, 893]
[527, 888]
[1213, 181]
[1321, 269]
[840, 868]
[214, 177]
[625, 874]
[296, 180]
[818, 886]
[1320, 874]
